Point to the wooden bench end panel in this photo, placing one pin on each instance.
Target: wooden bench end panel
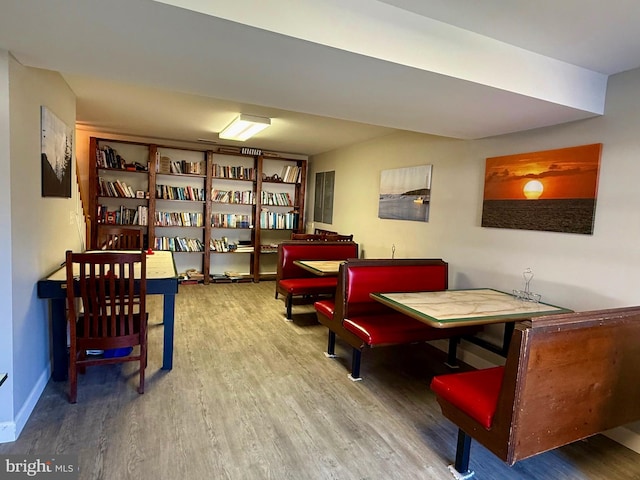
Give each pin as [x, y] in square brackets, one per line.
[576, 383]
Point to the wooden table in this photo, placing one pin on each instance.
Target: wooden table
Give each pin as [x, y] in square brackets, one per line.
[162, 279]
[456, 308]
[322, 268]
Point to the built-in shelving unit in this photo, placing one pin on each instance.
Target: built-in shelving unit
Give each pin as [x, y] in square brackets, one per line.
[221, 212]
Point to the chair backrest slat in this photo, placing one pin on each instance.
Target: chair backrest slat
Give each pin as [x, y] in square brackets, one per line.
[111, 295]
[120, 238]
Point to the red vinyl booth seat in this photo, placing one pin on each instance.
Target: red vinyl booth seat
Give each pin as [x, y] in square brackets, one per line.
[392, 329]
[364, 322]
[475, 393]
[292, 280]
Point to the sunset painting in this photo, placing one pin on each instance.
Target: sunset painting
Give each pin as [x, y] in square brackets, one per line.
[552, 190]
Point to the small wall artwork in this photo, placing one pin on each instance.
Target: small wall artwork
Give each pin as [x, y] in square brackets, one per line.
[56, 143]
[552, 190]
[405, 193]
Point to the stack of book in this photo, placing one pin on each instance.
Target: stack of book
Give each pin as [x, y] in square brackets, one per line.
[290, 174]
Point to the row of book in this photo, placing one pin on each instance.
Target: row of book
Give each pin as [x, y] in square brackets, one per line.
[179, 219]
[290, 174]
[276, 198]
[182, 166]
[124, 215]
[223, 245]
[178, 244]
[231, 220]
[117, 188]
[167, 192]
[246, 197]
[107, 157]
[233, 172]
[278, 221]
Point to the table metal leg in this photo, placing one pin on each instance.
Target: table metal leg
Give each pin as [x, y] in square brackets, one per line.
[59, 339]
[168, 320]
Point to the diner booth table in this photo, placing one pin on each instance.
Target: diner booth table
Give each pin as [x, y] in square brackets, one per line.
[466, 307]
[162, 279]
[322, 268]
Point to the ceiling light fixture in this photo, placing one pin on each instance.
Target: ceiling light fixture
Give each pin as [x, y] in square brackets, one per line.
[244, 127]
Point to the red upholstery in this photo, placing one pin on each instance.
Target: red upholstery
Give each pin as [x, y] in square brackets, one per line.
[325, 307]
[392, 329]
[363, 280]
[475, 393]
[302, 250]
[304, 286]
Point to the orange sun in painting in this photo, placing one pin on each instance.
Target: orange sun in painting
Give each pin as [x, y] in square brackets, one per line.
[533, 189]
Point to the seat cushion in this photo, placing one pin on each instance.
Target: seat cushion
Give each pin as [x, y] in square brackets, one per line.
[391, 329]
[475, 393]
[325, 308]
[303, 286]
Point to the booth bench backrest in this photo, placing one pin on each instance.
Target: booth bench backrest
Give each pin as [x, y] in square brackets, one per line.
[566, 377]
[293, 250]
[360, 278]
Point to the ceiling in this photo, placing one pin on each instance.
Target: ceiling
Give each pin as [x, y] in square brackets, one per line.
[329, 73]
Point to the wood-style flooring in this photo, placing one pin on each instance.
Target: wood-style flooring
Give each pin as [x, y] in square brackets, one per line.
[252, 396]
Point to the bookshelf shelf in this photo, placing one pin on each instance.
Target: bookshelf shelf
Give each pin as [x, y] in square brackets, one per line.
[216, 190]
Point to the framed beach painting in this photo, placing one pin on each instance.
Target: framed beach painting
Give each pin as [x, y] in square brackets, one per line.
[405, 193]
[56, 147]
[551, 190]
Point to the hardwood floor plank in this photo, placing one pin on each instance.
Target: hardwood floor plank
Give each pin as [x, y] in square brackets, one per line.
[252, 396]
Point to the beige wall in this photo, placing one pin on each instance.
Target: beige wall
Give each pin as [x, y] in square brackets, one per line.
[41, 229]
[581, 272]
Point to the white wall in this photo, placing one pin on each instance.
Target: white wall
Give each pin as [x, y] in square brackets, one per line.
[6, 326]
[581, 272]
[40, 229]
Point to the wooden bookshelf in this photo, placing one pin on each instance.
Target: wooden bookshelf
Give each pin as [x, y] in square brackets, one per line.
[220, 211]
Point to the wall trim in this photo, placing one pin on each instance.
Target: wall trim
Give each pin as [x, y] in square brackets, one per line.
[10, 431]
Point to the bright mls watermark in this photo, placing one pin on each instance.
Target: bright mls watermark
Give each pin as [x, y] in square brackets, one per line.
[49, 467]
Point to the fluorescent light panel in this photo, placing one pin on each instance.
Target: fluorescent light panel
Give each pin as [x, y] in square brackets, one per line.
[244, 127]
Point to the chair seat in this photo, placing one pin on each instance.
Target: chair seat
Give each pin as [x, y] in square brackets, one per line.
[475, 393]
[391, 329]
[301, 286]
[325, 308]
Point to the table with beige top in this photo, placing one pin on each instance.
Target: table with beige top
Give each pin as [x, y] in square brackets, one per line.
[322, 268]
[479, 306]
[162, 279]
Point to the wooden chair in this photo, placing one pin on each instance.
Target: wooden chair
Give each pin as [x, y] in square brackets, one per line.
[321, 237]
[321, 231]
[112, 312]
[307, 236]
[121, 238]
[338, 238]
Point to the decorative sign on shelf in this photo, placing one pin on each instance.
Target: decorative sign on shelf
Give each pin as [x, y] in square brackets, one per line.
[251, 151]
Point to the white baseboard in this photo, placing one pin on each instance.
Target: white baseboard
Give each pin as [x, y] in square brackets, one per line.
[10, 431]
[626, 437]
